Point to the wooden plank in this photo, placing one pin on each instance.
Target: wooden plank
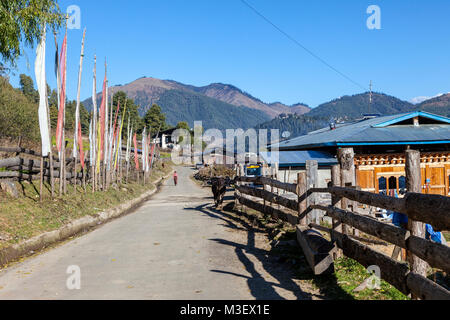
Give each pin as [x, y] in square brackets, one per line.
[321, 261]
[369, 225]
[336, 201]
[365, 240]
[301, 190]
[11, 162]
[426, 289]
[273, 212]
[14, 164]
[35, 175]
[19, 150]
[289, 187]
[372, 199]
[432, 209]
[428, 208]
[435, 254]
[312, 177]
[17, 175]
[263, 194]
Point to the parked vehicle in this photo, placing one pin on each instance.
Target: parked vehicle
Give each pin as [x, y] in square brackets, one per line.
[199, 166]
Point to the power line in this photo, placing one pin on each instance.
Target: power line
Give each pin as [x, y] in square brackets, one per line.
[302, 46]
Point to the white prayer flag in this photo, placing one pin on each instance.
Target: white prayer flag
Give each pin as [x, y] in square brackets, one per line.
[91, 143]
[144, 149]
[39, 69]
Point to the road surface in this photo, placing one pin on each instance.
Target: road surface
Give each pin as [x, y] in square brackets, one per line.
[175, 246]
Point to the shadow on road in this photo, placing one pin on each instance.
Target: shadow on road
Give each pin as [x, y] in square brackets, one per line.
[261, 288]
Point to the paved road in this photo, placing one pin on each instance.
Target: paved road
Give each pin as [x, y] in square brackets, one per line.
[173, 247]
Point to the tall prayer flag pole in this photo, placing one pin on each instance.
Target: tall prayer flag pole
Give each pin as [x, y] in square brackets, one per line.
[43, 110]
[94, 128]
[77, 139]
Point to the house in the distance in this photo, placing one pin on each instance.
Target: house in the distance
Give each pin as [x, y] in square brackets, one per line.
[379, 144]
[165, 139]
[290, 163]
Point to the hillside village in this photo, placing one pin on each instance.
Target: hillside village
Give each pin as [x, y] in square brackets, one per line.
[161, 190]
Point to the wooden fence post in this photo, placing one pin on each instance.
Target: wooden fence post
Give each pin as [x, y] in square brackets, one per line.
[276, 177]
[242, 174]
[41, 185]
[336, 201]
[264, 173]
[301, 191]
[346, 158]
[236, 202]
[312, 177]
[272, 176]
[414, 184]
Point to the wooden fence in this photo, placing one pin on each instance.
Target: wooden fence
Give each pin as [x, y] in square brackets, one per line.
[26, 165]
[320, 253]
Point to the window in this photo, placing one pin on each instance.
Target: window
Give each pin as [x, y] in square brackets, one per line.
[382, 184]
[402, 184]
[392, 183]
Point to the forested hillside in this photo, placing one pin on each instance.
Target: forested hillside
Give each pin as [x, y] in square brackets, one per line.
[439, 105]
[184, 106]
[354, 107]
[214, 99]
[346, 108]
[294, 124]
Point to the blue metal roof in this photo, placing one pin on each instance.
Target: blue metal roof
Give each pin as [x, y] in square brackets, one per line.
[376, 131]
[298, 158]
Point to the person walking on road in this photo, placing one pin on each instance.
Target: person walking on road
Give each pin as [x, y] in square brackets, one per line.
[175, 178]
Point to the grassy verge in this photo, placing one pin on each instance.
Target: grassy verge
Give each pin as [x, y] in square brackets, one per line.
[26, 217]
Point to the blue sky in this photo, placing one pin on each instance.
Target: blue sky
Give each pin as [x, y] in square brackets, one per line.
[199, 42]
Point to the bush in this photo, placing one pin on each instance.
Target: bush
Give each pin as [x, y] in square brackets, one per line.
[18, 115]
[207, 173]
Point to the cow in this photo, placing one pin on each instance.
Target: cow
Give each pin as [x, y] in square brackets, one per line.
[219, 188]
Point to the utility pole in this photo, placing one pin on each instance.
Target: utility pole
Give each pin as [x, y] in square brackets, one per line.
[370, 96]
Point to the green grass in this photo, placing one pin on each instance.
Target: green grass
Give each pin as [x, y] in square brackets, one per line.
[26, 217]
[447, 235]
[166, 155]
[350, 274]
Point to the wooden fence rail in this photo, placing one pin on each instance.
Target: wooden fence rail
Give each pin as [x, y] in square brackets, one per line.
[289, 187]
[268, 196]
[432, 209]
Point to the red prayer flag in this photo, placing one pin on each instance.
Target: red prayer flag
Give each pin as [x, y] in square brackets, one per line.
[115, 120]
[62, 103]
[102, 119]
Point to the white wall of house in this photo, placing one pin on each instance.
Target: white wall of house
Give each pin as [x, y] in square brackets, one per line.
[290, 176]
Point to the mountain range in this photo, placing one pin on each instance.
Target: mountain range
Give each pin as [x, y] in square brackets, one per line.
[217, 105]
[354, 107]
[225, 106]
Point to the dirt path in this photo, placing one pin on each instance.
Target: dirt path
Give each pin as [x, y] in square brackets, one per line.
[176, 246]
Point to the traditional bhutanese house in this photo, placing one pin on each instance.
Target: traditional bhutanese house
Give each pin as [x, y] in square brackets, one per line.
[379, 144]
[165, 139]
